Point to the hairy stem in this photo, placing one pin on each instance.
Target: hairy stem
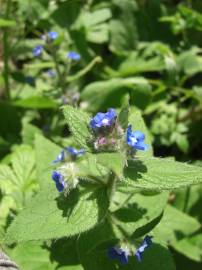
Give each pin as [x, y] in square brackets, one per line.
[57, 67]
[111, 186]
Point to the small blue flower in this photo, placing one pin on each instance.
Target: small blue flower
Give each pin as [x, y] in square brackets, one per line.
[37, 51]
[136, 139]
[60, 157]
[52, 35]
[73, 56]
[59, 180]
[103, 119]
[119, 253]
[74, 152]
[145, 244]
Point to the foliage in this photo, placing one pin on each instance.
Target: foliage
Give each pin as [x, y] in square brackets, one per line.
[63, 62]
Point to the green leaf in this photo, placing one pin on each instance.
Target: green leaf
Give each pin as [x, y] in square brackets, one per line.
[49, 215]
[105, 94]
[36, 102]
[32, 256]
[28, 133]
[189, 248]
[7, 179]
[160, 174]
[137, 214]
[78, 122]
[89, 166]
[190, 61]
[127, 67]
[61, 254]
[123, 29]
[18, 180]
[46, 152]
[175, 226]
[23, 164]
[95, 24]
[64, 252]
[112, 161]
[6, 23]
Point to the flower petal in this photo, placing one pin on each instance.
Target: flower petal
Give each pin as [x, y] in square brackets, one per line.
[141, 146]
[139, 135]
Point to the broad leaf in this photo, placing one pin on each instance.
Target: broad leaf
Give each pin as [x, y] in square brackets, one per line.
[104, 94]
[46, 153]
[6, 23]
[32, 256]
[190, 247]
[160, 174]
[36, 102]
[175, 226]
[49, 215]
[78, 122]
[137, 214]
[112, 161]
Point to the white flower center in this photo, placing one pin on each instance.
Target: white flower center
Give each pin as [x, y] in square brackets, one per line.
[133, 140]
[105, 121]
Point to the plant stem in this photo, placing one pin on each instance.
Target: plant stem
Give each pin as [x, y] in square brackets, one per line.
[112, 186]
[86, 69]
[6, 53]
[59, 73]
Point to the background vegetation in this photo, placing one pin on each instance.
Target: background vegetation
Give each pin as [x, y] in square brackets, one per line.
[147, 49]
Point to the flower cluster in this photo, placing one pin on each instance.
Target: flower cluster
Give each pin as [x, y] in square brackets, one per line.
[105, 129]
[51, 36]
[122, 254]
[66, 177]
[108, 133]
[103, 119]
[48, 38]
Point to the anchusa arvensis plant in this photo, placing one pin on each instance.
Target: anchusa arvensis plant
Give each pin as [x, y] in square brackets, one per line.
[107, 136]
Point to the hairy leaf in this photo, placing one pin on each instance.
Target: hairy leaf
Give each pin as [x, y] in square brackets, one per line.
[49, 215]
[160, 174]
[78, 122]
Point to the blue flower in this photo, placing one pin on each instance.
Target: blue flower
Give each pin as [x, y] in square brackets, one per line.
[73, 56]
[60, 157]
[52, 35]
[145, 244]
[119, 253]
[136, 139]
[37, 51]
[59, 180]
[74, 152]
[103, 119]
